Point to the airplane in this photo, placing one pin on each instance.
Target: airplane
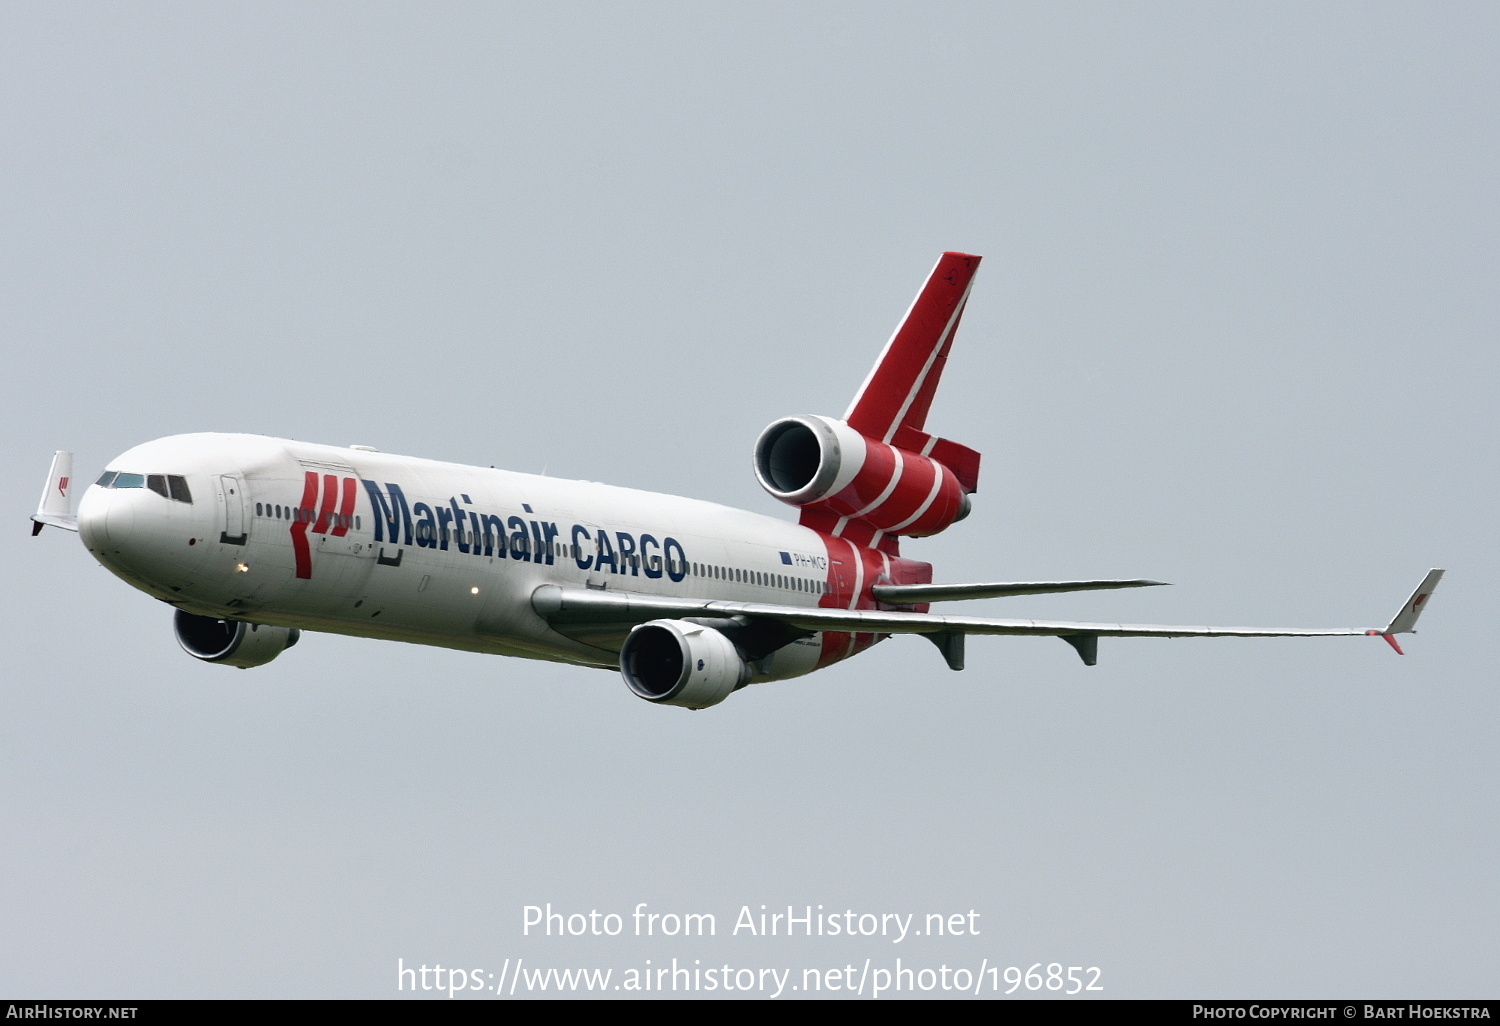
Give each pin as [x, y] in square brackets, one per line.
[255, 539]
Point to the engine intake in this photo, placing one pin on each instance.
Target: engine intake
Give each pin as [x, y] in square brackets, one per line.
[824, 465]
[674, 662]
[231, 642]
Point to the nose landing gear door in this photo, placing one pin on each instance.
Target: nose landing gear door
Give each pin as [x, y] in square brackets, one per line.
[230, 496]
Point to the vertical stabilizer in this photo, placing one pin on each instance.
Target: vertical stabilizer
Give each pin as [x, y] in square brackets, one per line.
[900, 387]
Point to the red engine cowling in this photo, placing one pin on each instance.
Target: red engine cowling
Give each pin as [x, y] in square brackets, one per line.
[825, 466]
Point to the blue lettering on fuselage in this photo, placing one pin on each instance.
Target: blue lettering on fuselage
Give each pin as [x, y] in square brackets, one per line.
[476, 533]
[581, 535]
[390, 518]
[604, 552]
[520, 541]
[426, 526]
[649, 564]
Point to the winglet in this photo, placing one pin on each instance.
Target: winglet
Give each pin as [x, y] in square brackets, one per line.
[56, 504]
[1405, 620]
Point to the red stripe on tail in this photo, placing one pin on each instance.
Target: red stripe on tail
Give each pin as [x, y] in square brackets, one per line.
[900, 388]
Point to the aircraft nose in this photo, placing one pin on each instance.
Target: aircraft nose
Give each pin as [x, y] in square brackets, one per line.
[138, 533]
[93, 517]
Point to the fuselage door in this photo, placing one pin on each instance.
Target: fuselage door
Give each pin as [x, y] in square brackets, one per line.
[231, 509]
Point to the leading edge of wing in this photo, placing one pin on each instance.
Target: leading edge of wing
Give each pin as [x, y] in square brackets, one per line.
[910, 594]
[571, 605]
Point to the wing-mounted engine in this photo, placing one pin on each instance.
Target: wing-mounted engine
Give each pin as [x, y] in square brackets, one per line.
[231, 642]
[674, 662]
[877, 466]
[822, 465]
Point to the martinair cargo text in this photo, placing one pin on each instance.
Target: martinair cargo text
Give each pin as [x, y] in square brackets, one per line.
[254, 539]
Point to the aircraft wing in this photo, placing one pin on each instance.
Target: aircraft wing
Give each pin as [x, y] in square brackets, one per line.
[607, 614]
[910, 594]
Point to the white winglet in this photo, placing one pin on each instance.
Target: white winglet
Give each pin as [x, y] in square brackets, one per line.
[1405, 620]
[56, 504]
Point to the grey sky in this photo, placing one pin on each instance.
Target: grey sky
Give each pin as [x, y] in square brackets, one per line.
[1234, 330]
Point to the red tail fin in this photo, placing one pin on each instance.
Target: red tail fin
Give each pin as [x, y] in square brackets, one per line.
[900, 387]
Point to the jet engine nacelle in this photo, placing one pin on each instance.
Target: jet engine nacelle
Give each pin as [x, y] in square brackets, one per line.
[231, 642]
[674, 662]
[826, 466]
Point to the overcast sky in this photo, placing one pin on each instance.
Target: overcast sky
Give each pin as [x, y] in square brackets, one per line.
[1235, 329]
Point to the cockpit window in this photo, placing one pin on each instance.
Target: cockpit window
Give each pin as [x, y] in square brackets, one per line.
[168, 486]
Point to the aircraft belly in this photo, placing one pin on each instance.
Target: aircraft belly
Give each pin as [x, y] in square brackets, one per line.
[793, 660]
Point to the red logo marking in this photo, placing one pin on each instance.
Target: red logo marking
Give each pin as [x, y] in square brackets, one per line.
[346, 510]
[330, 496]
[62, 485]
[300, 550]
[318, 517]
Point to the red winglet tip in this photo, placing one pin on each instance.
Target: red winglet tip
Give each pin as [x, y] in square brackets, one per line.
[1391, 640]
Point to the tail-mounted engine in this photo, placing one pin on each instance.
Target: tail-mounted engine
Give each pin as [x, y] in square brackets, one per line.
[231, 642]
[673, 662]
[877, 467]
[825, 466]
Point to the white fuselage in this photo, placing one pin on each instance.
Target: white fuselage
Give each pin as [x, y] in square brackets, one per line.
[359, 542]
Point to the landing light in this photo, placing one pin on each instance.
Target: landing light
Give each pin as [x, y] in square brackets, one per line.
[242, 568]
[473, 591]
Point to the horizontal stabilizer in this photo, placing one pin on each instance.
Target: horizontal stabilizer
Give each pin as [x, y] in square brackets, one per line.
[911, 594]
[963, 461]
